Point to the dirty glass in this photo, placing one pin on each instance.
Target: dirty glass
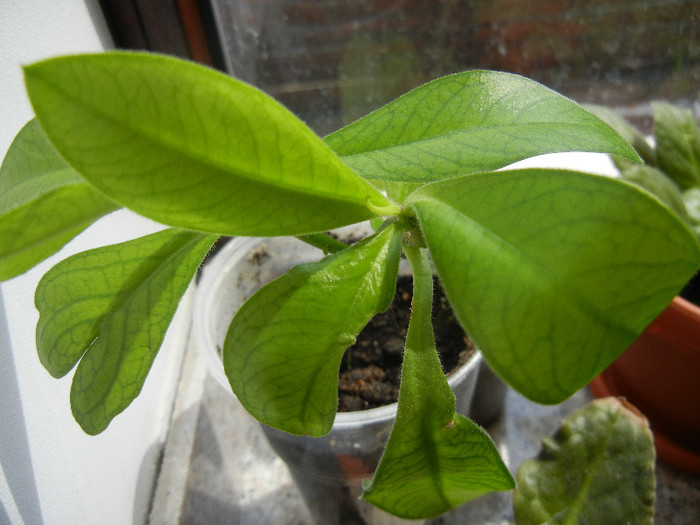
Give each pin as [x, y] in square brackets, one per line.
[332, 61]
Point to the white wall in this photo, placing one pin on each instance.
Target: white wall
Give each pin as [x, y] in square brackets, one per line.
[50, 471]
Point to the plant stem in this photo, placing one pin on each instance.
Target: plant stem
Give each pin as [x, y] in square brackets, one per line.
[323, 242]
[422, 300]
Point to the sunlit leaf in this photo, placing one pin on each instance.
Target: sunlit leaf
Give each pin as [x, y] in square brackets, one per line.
[44, 203]
[435, 459]
[658, 184]
[626, 131]
[553, 273]
[283, 349]
[469, 122]
[109, 308]
[193, 148]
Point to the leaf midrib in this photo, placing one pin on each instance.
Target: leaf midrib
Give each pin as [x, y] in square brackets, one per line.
[450, 136]
[123, 300]
[550, 278]
[591, 473]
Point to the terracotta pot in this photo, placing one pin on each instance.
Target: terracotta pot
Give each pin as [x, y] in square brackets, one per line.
[660, 375]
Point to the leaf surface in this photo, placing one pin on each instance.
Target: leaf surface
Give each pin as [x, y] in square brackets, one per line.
[435, 459]
[284, 346]
[109, 309]
[626, 131]
[469, 122]
[677, 137]
[598, 468]
[658, 184]
[193, 148]
[553, 273]
[691, 200]
[44, 203]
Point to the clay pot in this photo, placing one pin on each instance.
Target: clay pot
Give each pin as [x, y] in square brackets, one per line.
[660, 375]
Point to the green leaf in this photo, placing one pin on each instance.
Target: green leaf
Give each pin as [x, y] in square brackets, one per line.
[193, 148]
[43, 202]
[677, 144]
[470, 122]
[626, 131]
[555, 273]
[598, 468]
[109, 308]
[283, 349]
[435, 459]
[691, 199]
[659, 185]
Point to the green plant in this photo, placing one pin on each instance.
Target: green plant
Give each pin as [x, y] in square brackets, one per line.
[578, 476]
[671, 168]
[553, 273]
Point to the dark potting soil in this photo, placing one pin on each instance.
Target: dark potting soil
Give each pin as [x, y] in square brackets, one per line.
[371, 368]
[691, 292]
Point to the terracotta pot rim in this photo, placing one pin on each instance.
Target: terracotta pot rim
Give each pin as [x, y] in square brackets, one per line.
[679, 327]
[666, 448]
[686, 308]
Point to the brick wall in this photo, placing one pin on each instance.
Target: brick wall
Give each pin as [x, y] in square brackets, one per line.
[564, 42]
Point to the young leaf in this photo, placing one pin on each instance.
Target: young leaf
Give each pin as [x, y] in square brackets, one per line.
[658, 184]
[193, 148]
[691, 200]
[469, 122]
[626, 131]
[109, 308]
[435, 459]
[598, 468]
[677, 144]
[44, 203]
[283, 349]
[553, 273]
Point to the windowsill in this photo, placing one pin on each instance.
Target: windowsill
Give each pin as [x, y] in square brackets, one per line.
[217, 465]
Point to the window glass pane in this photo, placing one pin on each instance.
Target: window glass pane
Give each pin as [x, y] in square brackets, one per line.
[332, 61]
